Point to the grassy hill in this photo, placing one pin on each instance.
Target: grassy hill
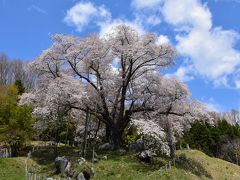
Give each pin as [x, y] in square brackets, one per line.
[12, 168]
[191, 164]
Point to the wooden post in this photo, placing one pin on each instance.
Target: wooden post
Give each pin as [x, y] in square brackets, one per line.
[160, 171]
[6, 151]
[236, 157]
[93, 156]
[84, 150]
[26, 166]
[174, 161]
[10, 152]
[26, 171]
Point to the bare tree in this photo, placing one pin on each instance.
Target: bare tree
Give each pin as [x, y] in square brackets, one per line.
[4, 69]
[233, 117]
[12, 70]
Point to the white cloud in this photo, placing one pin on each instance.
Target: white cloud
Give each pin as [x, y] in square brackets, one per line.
[37, 9]
[211, 49]
[86, 13]
[147, 12]
[146, 18]
[183, 73]
[162, 39]
[83, 13]
[237, 83]
[213, 106]
[187, 13]
[139, 4]
[107, 27]
[153, 20]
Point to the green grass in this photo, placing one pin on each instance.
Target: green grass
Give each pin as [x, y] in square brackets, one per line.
[218, 169]
[191, 165]
[127, 167]
[12, 168]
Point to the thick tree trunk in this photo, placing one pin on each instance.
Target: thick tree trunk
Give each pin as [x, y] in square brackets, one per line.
[15, 149]
[172, 149]
[170, 138]
[114, 131]
[107, 133]
[84, 148]
[115, 137]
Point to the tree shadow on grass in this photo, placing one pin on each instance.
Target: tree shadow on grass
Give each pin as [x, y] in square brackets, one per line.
[46, 155]
[194, 167]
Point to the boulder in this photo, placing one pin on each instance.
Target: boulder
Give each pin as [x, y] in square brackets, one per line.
[81, 161]
[146, 156]
[68, 167]
[94, 160]
[106, 147]
[61, 164]
[92, 171]
[122, 151]
[104, 158]
[136, 146]
[81, 177]
[95, 154]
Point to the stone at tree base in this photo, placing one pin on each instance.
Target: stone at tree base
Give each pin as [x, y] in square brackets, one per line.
[68, 167]
[95, 155]
[61, 164]
[94, 160]
[146, 156]
[121, 150]
[136, 146]
[92, 171]
[81, 177]
[106, 147]
[71, 172]
[104, 158]
[86, 169]
[81, 161]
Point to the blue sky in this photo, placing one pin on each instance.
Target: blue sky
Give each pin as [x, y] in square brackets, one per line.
[205, 33]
